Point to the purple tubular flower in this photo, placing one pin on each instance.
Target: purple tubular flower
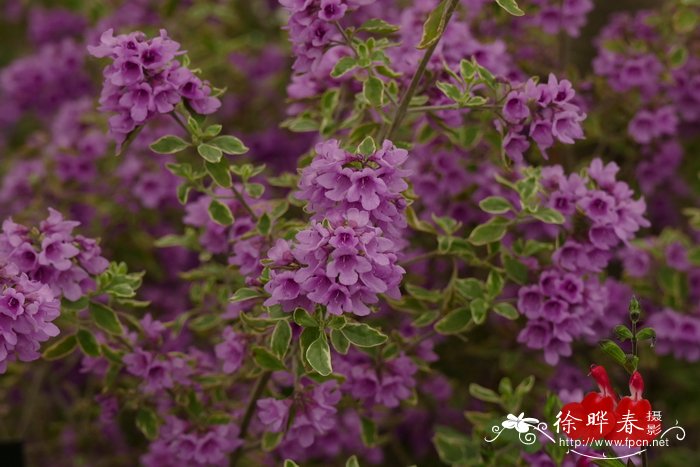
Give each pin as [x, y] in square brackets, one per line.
[145, 79]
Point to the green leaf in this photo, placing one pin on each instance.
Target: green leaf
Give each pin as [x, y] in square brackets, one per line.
[483, 394]
[363, 335]
[450, 90]
[434, 26]
[378, 26]
[494, 284]
[646, 333]
[147, 421]
[420, 293]
[245, 294]
[455, 321]
[367, 146]
[106, 319]
[492, 231]
[511, 7]
[264, 224]
[515, 269]
[266, 359]
[470, 288]
[373, 90]
[281, 337]
[685, 20]
[369, 432]
[622, 332]
[549, 216]
[212, 130]
[340, 343]
[169, 145]
[255, 190]
[290, 463]
[271, 440]
[220, 213]
[229, 144]
[209, 153]
[613, 350]
[88, 344]
[183, 192]
[204, 323]
[352, 461]
[454, 448]
[304, 319]
[319, 355]
[343, 66]
[479, 307]
[506, 310]
[426, 318]
[219, 172]
[467, 69]
[495, 205]
[61, 348]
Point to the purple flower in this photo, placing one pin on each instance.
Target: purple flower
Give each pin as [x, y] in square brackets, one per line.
[273, 413]
[515, 108]
[231, 351]
[332, 10]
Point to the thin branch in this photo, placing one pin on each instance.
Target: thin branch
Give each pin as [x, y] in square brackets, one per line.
[413, 86]
[249, 411]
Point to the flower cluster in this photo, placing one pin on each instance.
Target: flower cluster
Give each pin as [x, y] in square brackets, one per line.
[245, 253]
[27, 309]
[145, 79]
[311, 27]
[628, 69]
[337, 180]
[386, 387]
[181, 444]
[650, 124]
[342, 263]
[314, 413]
[542, 112]
[52, 255]
[53, 24]
[569, 300]
[41, 82]
[75, 146]
[554, 16]
[676, 334]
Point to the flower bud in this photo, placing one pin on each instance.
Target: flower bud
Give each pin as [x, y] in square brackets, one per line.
[636, 386]
[635, 310]
[601, 377]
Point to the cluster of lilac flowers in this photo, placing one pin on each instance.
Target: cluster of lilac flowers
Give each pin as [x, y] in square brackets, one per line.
[41, 82]
[676, 334]
[53, 24]
[27, 309]
[648, 125]
[75, 145]
[342, 263]
[337, 180]
[630, 68]
[542, 112]
[53, 255]
[311, 27]
[569, 299]
[37, 267]
[553, 16]
[145, 79]
[314, 413]
[245, 253]
[385, 387]
[179, 444]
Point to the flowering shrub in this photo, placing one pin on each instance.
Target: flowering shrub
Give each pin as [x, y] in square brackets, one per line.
[345, 232]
